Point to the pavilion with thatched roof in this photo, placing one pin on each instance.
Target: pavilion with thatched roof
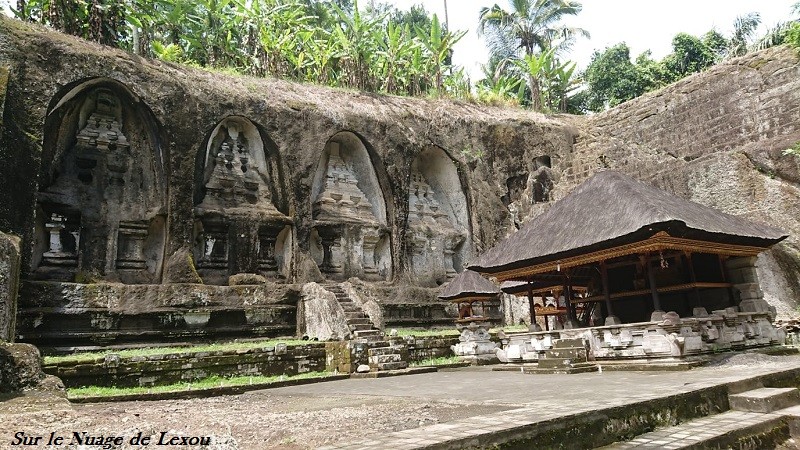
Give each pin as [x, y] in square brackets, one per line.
[466, 289]
[636, 250]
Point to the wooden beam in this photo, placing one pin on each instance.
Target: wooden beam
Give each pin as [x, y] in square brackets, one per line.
[658, 242]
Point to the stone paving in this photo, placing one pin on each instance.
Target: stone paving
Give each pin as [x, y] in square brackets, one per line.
[692, 432]
[531, 399]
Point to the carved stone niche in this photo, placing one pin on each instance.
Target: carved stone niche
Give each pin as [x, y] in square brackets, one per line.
[101, 205]
[350, 237]
[139, 249]
[213, 245]
[438, 239]
[241, 229]
[57, 248]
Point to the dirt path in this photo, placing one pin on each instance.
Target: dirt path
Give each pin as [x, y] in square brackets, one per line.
[255, 420]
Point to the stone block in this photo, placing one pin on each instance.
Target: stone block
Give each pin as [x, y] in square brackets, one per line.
[612, 320]
[569, 343]
[9, 284]
[661, 345]
[765, 400]
[20, 367]
[749, 291]
[246, 279]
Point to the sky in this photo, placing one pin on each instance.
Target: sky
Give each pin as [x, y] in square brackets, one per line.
[642, 24]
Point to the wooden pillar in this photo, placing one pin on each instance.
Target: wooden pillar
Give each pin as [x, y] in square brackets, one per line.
[695, 303]
[651, 278]
[606, 292]
[568, 296]
[530, 302]
[729, 289]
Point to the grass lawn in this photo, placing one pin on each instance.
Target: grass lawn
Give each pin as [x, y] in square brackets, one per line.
[205, 383]
[129, 353]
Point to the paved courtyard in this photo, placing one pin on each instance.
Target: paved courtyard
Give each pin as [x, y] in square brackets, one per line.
[395, 412]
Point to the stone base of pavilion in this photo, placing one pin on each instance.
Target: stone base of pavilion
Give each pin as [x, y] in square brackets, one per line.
[671, 339]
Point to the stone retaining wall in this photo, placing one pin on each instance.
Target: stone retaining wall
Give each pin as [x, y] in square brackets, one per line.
[672, 337]
[182, 367]
[278, 360]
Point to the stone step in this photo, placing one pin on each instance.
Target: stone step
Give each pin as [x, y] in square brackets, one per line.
[567, 368]
[354, 315]
[725, 430]
[358, 320]
[765, 400]
[368, 333]
[577, 354]
[383, 359]
[569, 343]
[377, 351]
[392, 365]
[359, 326]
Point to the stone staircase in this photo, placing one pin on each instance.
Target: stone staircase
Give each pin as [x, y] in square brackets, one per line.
[361, 327]
[387, 357]
[382, 355]
[566, 356]
[758, 418]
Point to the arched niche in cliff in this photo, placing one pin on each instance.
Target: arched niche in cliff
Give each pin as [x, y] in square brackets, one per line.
[240, 210]
[350, 236]
[101, 207]
[439, 239]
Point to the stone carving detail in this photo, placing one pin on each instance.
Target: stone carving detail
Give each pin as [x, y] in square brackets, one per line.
[64, 241]
[235, 179]
[106, 191]
[102, 139]
[341, 199]
[130, 245]
[433, 237]
[213, 246]
[349, 232]
[267, 240]
[240, 223]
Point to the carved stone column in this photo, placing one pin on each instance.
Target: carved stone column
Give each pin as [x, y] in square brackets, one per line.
[64, 242]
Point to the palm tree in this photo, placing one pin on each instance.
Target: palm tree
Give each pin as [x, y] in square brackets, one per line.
[530, 35]
[530, 26]
[743, 29]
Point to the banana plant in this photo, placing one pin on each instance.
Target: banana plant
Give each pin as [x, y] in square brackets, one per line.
[439, 43]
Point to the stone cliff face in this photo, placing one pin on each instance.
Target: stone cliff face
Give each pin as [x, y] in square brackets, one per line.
[126, 170]
[119, 169]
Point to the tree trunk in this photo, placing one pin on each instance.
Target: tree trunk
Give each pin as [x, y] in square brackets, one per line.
[536, 95]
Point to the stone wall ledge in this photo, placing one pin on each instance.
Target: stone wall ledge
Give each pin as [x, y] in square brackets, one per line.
[672, 338]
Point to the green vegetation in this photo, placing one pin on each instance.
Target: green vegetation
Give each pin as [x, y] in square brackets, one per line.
[612, 77]
[151, 351]
[793, 150]
[331, 42]
[205, 383]
[422, 332]
[440, 361]
[379, 48]
[525, 43]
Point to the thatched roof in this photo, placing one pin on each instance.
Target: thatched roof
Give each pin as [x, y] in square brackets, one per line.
[468, 284]
[611, 209]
